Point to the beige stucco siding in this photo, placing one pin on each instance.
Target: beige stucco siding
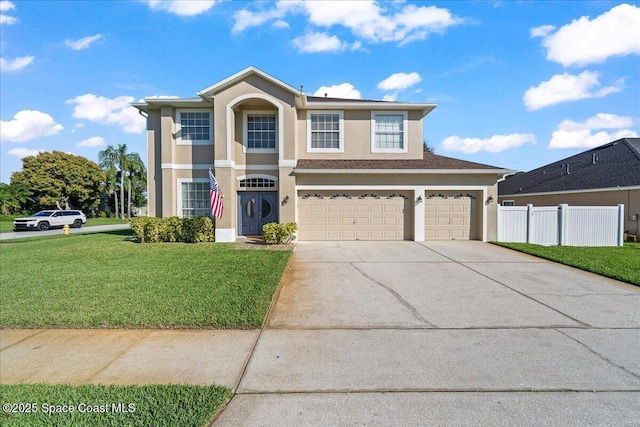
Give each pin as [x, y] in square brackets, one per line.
[396, 179]
[154, 173]
[629, 198]
[357, 138]
[266, 96]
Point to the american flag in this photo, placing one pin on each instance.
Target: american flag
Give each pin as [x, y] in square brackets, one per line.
[215, 196]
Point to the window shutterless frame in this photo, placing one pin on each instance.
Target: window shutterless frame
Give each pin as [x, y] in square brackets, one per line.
[325, 131]
[389, 131]
[260, 131]
[194, 127]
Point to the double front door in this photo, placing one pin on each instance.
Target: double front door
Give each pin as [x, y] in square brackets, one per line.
[256, 208]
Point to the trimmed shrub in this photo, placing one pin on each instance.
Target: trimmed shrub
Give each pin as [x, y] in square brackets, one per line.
[199, 229]
[170, 229]
[173, 229]
[274, 233]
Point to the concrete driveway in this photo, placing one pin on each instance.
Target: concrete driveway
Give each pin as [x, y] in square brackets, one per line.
[442, 333]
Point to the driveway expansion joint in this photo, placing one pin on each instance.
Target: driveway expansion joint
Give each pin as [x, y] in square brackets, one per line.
[22, 340]
[120, 354]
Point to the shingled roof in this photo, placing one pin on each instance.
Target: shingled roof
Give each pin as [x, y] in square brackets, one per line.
[429, 161]
[616, 164]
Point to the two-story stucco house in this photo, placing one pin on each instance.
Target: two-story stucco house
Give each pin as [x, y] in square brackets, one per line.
[342, 169]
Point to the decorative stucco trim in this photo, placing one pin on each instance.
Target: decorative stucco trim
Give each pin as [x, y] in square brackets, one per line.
[230, 122]
[225, 235]
[185, 166]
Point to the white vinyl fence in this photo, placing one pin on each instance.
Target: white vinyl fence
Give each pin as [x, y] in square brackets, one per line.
[562, 225]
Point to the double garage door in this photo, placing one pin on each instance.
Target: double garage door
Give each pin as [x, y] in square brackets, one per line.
[366, 215]
[362, 215]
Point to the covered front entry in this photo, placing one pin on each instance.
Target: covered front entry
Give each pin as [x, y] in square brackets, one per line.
[256, 208]
[355, 215]
[451, 216]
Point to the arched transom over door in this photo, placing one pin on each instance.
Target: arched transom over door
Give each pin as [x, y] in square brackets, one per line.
[451, 215]
[355, 215]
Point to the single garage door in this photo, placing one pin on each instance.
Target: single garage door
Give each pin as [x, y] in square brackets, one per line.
[362, 215]
[451, 216]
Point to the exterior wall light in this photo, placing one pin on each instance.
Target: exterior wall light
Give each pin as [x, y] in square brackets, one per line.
[285, 200]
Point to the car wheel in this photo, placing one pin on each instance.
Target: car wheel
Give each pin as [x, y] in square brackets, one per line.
[77, 223]
[43, 226]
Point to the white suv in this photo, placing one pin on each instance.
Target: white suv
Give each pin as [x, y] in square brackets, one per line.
[45, 220]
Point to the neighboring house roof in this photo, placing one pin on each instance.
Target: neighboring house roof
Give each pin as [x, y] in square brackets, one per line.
[430, 163]
[616, 164]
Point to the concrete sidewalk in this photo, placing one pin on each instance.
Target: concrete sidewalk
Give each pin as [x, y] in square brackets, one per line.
[126, 356]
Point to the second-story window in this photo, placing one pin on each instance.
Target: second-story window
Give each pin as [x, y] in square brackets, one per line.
[325, 131]
[389, 132]
[195, 126]
[261, 131]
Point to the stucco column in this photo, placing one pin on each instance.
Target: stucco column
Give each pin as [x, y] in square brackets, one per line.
[418, 214]
[226, 226]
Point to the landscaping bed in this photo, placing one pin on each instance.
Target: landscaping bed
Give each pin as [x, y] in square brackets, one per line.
[105, 280]
[616, 262]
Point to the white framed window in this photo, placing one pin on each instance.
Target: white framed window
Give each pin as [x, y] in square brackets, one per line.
[193, 197]
[260, 131]
[325, 131]
[194, 127]
[508, 203]
[389, 131]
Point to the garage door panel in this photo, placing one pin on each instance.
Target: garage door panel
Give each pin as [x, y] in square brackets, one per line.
[355, 215]
[451, 216]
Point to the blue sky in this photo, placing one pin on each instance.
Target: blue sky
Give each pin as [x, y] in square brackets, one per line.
[518, 83]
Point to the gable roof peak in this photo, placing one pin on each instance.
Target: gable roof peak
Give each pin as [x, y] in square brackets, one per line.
[241, 75]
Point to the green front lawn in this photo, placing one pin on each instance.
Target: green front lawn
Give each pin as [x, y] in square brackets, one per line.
[622, 263]
[99, 405]
[105, 281]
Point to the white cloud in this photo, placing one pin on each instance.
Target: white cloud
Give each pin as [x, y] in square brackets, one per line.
[495, 144]
[6, 6]
[570, 134]
[585, 41]
[567, 87]
[399, 81]
[82, 43]
[247, 19]
[94, 141]
[318, 42]
[390, 97]
[27, 125]
[24, 152]
[343, 90]
[106, 111]
[17, 64]
[182, 7]
[395, 22]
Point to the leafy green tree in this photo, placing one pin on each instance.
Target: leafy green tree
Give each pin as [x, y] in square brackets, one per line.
[427, 148]
[13, 197]
[57, 177]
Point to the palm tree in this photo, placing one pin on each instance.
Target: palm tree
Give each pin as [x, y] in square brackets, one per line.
[12, 197]
[116, 159]
[135, 170]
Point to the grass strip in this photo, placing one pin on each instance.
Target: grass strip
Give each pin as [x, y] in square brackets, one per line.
[105, 281]
[101, 405]
[616, 262]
